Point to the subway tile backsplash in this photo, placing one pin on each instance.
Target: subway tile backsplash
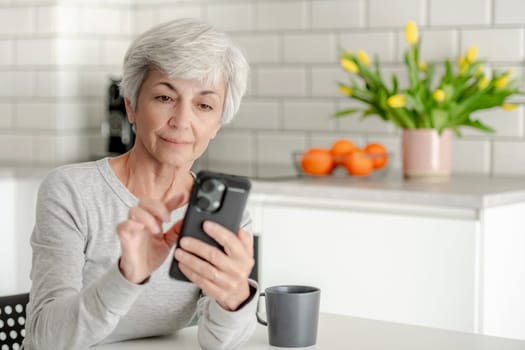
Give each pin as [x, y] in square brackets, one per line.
[56, 58]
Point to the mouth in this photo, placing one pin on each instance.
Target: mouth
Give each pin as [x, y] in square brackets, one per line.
[176, 142]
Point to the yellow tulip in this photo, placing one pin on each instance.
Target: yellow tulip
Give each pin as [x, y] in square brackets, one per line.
[423, 66]
[472, 54]
[363, 57]
[502, 81]
[463, 69]
[349, 65]
[345, 90]
[480, 69]
[411, 33]
[483, 83]
[396, 101]
[509, 107]
[461, 61]
[439, 95]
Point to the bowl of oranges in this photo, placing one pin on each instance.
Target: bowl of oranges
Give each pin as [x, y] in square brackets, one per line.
[345, 155]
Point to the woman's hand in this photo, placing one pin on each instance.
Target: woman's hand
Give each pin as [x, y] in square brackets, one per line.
[223, 276]
[144, 245]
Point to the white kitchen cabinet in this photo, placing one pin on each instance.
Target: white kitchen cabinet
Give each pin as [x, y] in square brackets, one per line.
[413, 260]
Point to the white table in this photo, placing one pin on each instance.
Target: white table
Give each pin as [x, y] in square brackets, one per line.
[346, 333]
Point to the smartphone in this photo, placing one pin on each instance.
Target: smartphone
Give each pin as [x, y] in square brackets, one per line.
[216, 197]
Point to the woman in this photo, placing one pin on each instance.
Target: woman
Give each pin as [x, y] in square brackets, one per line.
[105, 230]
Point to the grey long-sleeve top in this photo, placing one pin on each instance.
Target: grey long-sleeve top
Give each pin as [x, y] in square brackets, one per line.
[78, 296]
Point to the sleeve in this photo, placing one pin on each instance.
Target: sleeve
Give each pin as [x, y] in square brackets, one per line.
[222, 329]
[62, 313]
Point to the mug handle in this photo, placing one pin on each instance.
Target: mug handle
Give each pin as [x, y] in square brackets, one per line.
[259, 318]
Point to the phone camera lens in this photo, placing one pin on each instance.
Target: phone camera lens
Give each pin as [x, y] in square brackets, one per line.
[207, 186]
[203, 203]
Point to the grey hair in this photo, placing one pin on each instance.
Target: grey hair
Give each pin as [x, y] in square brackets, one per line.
[187, 49]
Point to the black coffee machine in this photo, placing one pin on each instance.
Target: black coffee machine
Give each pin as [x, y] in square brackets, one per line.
[120, 132]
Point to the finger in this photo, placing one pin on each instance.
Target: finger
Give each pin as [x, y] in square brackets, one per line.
[229, 240]
[156, 208]
[172, 235]
[246, 239]
[200, 267]
[144, 217]
[209, 253]
[129, 226]
[208, 287]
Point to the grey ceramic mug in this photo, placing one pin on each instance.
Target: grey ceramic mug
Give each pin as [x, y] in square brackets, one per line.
[292, 315]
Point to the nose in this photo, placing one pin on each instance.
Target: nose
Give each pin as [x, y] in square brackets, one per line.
[181, 115]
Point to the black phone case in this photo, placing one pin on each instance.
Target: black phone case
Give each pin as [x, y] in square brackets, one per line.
[229, 214]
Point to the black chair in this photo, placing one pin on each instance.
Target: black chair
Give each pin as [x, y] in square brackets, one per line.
[12, 320]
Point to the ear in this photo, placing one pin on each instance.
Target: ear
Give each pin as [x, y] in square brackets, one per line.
[129, 110]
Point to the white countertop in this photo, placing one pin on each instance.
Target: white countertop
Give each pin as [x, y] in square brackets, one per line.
[346, 333]
[460, 191]
[472, 192]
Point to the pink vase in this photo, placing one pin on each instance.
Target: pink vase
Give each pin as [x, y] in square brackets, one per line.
[426, 154]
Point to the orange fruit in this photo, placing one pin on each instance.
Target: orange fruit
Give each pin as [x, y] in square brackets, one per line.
[317, 161]
[340, 149]
[378, 153]
[358, 164]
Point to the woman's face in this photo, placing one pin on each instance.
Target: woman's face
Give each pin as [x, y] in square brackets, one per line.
[176, 119]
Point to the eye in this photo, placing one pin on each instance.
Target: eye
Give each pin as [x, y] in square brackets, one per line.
[205, 107]
[164, 99]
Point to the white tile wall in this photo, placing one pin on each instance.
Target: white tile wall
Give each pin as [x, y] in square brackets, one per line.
[180, 11]
[231, 146]
[258, 115]
[57, 84]
[265, 48]
[143, 18]
[396, 12]
[509, 12]
[374, 43]
[6, 115]
[275, 148]
[281, 81]
[16, 84]
[60, 53]
[506, 123]
[16, 21]
[100, 21]
[329, 14]
[509, 158]
[232, 17]
[62, 148]
[6, 52]
[355, 123]
[464, 12]
[36, 52]
[16, 148]
[310, 48]
[471, 156]
[436, 45]
[282, 15]
[78, 51]
[495, 44]
[324, 80]
[310, 115]
[57, 19]
[60, 115]
[113, 51]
